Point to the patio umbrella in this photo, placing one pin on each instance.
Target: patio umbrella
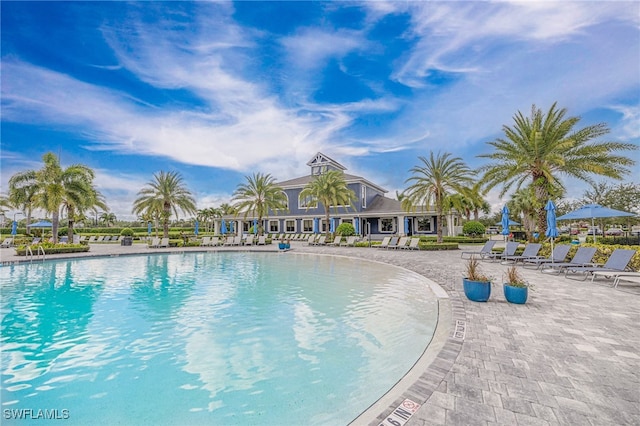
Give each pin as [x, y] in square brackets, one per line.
[255, 226]
[149, 228]
[231, 227]
[14, 228]
[223, 228]
[356, 224]
[505, 221]
[406, 225]
[41, 224]
[316, 225]
[552, 227]
[511, 223]
[332, 225]
[593, 211]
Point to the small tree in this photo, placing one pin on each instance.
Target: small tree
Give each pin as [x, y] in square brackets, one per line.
[346, 230]
[473, 228]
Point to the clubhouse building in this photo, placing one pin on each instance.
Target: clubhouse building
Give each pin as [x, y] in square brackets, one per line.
[373, 214]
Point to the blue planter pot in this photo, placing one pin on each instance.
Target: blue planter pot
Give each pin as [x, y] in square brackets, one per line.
[477, 291]
[284, 246]
[517, 295]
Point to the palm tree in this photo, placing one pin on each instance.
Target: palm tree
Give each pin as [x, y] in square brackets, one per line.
[165, 195]
[108, 218]
[259, 195]
[522, 206]
[91, 200]
[56, 187]
[331, 189]
[540, 148]
[433, 181]
[22, 193]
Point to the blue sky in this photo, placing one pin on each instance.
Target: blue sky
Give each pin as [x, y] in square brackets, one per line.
[218, 91]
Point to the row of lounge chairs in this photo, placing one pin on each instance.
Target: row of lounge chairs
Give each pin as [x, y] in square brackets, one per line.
[321, 240]
[408, 243]
[581, 265]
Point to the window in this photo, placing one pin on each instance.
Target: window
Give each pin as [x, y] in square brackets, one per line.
[424, 224]
[307, 225]
[305, 202]
[363, 196]
[386, 224]
[286, 200]
[274, 226]
[323, 226]
[347, 221]
[290, 226]
[246, 226]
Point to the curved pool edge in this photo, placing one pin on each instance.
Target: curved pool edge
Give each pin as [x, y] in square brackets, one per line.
[428, 371]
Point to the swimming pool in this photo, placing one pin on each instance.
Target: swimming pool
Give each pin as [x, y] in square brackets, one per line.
[208, 338]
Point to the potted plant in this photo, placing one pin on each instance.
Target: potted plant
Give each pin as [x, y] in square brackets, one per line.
[477, 285]
[516, 289]
[127, 239]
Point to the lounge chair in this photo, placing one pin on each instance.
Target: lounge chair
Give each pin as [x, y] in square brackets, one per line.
[485, 250]
[509, 250]
[560, 252]
[583, 257]
[414, 244]
[100, 239]
[249, 240]
[384, 243]
[336, 241]
[206, 241]
[350, 242]
[617, 276]
[617, 262]
[8, 242]
[401, 243]
[322, 241]
[83, 237]
[262, 240]
[155, 242]
[215, 241]
[92, 239]
[530, 251]
[36, 240]
[393, 242]
[164, 242]
[312, 239]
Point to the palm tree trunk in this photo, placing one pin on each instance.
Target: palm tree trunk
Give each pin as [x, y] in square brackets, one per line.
[71, 213]
[440, 215]
[327, 216]
[28, 218]
[55, 217]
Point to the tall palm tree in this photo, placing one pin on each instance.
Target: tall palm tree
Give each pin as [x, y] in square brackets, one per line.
[522, 206]
[166, 194]
[108, 218]
[22, 193]
[435, 179]
[76, 208]
[331, 189]
[538, 149]
[259, 195]
[56, 186]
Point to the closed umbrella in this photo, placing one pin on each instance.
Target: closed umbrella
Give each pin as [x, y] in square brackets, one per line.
[357, 225]
[505, 221]
[552, 227]
[196, 228]
[231, 227]
[14, 228]
[593, 211]
[406, 225]
[255, 226]
[316, 225]
[149, 228]
[223, 228]
[332, 225]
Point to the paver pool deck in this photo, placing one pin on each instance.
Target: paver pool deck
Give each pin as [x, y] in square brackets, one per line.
[569, 356]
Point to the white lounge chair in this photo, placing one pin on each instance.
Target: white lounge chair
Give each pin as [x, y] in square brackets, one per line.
[336, 241]
[350, 242]
[262, 240]
[402, 243]
[155, 242]
[384, 243]
[249, 240]
[92, 239]
[206, 241]
[215, 241]
[164, 242]
[413, 244]
[8, 242]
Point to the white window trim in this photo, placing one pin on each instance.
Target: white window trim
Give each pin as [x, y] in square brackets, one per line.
[278, 227]
[393, 225]
[310, 228]
[311, 206]
[295, 225]
[416, 226]
[363, 196]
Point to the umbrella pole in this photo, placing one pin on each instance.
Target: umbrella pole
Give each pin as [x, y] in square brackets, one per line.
[593, 226]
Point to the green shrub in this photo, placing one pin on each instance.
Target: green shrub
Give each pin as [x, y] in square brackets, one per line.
[50, 248]
[126, 232]
[428, 246]
[473, 228]
[346, 230]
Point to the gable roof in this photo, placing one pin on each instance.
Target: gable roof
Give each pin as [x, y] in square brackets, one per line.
[302, 181]
[321, 159]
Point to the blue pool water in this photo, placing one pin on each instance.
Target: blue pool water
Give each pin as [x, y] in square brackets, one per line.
[207, 338]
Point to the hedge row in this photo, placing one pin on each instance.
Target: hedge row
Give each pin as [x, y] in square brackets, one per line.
[55, 249]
